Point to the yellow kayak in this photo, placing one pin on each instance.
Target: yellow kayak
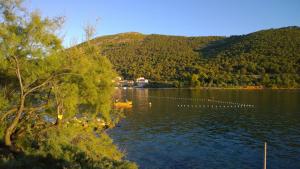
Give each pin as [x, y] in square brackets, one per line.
[124, 105]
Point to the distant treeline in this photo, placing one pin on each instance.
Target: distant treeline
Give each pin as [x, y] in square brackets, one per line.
[268, 58]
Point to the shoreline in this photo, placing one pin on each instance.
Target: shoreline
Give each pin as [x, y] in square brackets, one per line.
[209, 88]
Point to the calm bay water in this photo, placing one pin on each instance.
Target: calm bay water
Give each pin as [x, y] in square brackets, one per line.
[177, 131]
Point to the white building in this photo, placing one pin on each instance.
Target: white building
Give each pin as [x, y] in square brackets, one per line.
[141, 82]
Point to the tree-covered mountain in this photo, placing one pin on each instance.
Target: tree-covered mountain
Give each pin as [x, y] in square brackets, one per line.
[156, 57]
[269, 57]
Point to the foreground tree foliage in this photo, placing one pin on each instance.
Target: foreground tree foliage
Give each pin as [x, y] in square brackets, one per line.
[54, 104]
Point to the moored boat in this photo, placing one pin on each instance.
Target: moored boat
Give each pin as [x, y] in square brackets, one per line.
[124, 105]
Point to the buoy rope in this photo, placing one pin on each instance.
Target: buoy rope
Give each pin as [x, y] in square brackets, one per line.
[214, 106]
[230, 103]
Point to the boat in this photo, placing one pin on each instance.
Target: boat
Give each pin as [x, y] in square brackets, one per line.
[123, 105]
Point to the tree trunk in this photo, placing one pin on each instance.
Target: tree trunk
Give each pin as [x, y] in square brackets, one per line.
[11, 128]
[59, 115]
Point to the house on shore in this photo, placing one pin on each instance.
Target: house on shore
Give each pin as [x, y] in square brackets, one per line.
[141, 82]
[123, 83]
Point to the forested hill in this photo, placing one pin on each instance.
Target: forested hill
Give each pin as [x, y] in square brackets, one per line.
[157, 57]
[269, 57]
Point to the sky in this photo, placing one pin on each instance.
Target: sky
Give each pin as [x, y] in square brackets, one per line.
[170, 17]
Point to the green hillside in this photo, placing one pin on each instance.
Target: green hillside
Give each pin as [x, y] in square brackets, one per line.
[269, 57]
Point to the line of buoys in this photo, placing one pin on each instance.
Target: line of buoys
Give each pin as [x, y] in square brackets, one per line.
[203, 100]
[216, 106]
